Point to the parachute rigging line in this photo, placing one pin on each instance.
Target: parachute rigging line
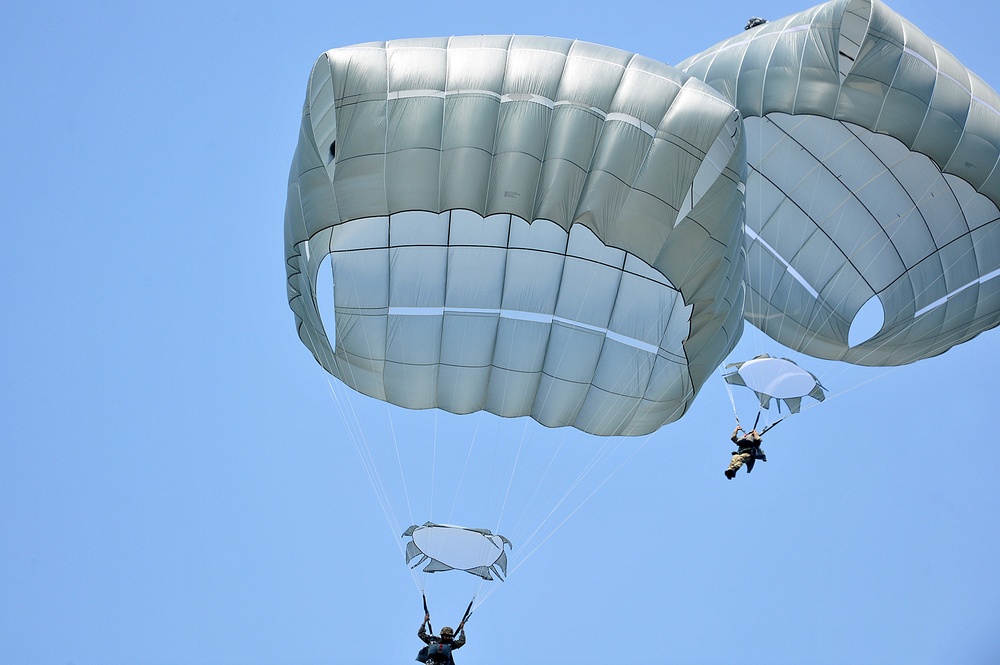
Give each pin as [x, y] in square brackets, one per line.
[771, 426]
[729, 391]
[522, 559]
[361, 447]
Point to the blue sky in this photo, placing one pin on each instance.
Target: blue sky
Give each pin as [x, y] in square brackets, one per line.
[178, 486]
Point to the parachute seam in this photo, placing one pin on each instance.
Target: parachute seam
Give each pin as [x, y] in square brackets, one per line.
[798, 78]
[496, 132]
[763, 82]
[895, 74]
[539, 401]
[447, 251]
[535, 204]
[935, 254]
[852, 128]
[627, 420]
[888, 335]
[822, 165]
[972, 247]
[532, 249]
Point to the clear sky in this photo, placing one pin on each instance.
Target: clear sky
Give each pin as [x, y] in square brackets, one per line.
[178, 486]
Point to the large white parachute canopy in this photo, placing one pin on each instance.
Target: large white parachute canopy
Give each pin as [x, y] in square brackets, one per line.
[874, 183]
[779, 379]
[523, 225]
[449, 547]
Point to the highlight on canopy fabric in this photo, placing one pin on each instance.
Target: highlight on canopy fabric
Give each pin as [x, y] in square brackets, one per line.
[779, 379]
[523, 225]
[873, 183]
[448, 547]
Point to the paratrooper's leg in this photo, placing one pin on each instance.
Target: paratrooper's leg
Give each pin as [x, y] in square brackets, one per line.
[736, 463]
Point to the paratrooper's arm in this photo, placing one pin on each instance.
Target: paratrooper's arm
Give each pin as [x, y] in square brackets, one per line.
[422, 633]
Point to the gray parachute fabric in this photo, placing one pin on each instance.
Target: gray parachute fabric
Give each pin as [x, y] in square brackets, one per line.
[779, 379]
[449, 547]
[528, 226]
[874, 183]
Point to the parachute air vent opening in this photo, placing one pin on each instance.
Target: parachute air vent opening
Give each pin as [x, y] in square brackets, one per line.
[324, 298]
[853, 29]
[333, 151]
[867, 322]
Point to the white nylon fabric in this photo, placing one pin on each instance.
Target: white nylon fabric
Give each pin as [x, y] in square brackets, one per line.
[458, 548]
[419, 167]
[777, 377]
[873, 159]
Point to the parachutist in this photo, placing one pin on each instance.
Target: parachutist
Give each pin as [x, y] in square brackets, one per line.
[438, 649]
[754, 21]
[748, 451]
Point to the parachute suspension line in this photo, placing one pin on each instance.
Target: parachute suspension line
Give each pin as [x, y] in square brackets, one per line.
[355, 433]
[729, 390]
[830, 396]
[361, 447]
[434, 443]
[513, 474]
[363, 450]
[595, 460]
[522, 559]
[399, 463]
[465, 468]
[364, 453]
[406, 496]
[541, 480]
[601, 454]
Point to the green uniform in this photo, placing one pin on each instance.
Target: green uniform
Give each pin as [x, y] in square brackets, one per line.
[748, 451]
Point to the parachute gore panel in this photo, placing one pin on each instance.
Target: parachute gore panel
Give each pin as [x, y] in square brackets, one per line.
[873, 159]
[523, 225]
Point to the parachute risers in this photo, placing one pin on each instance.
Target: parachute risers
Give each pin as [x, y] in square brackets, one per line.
[450, 547]
[779, 379]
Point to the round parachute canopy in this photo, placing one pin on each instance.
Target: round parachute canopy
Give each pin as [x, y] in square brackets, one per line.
[779, 379]
[444, 547]
[873, 184]
[528, 226]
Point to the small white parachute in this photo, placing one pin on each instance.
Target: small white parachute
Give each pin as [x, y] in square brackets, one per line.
[776, 378]
[451, 547]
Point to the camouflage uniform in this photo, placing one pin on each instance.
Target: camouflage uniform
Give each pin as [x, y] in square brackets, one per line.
[748, 452]
[426, 655]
